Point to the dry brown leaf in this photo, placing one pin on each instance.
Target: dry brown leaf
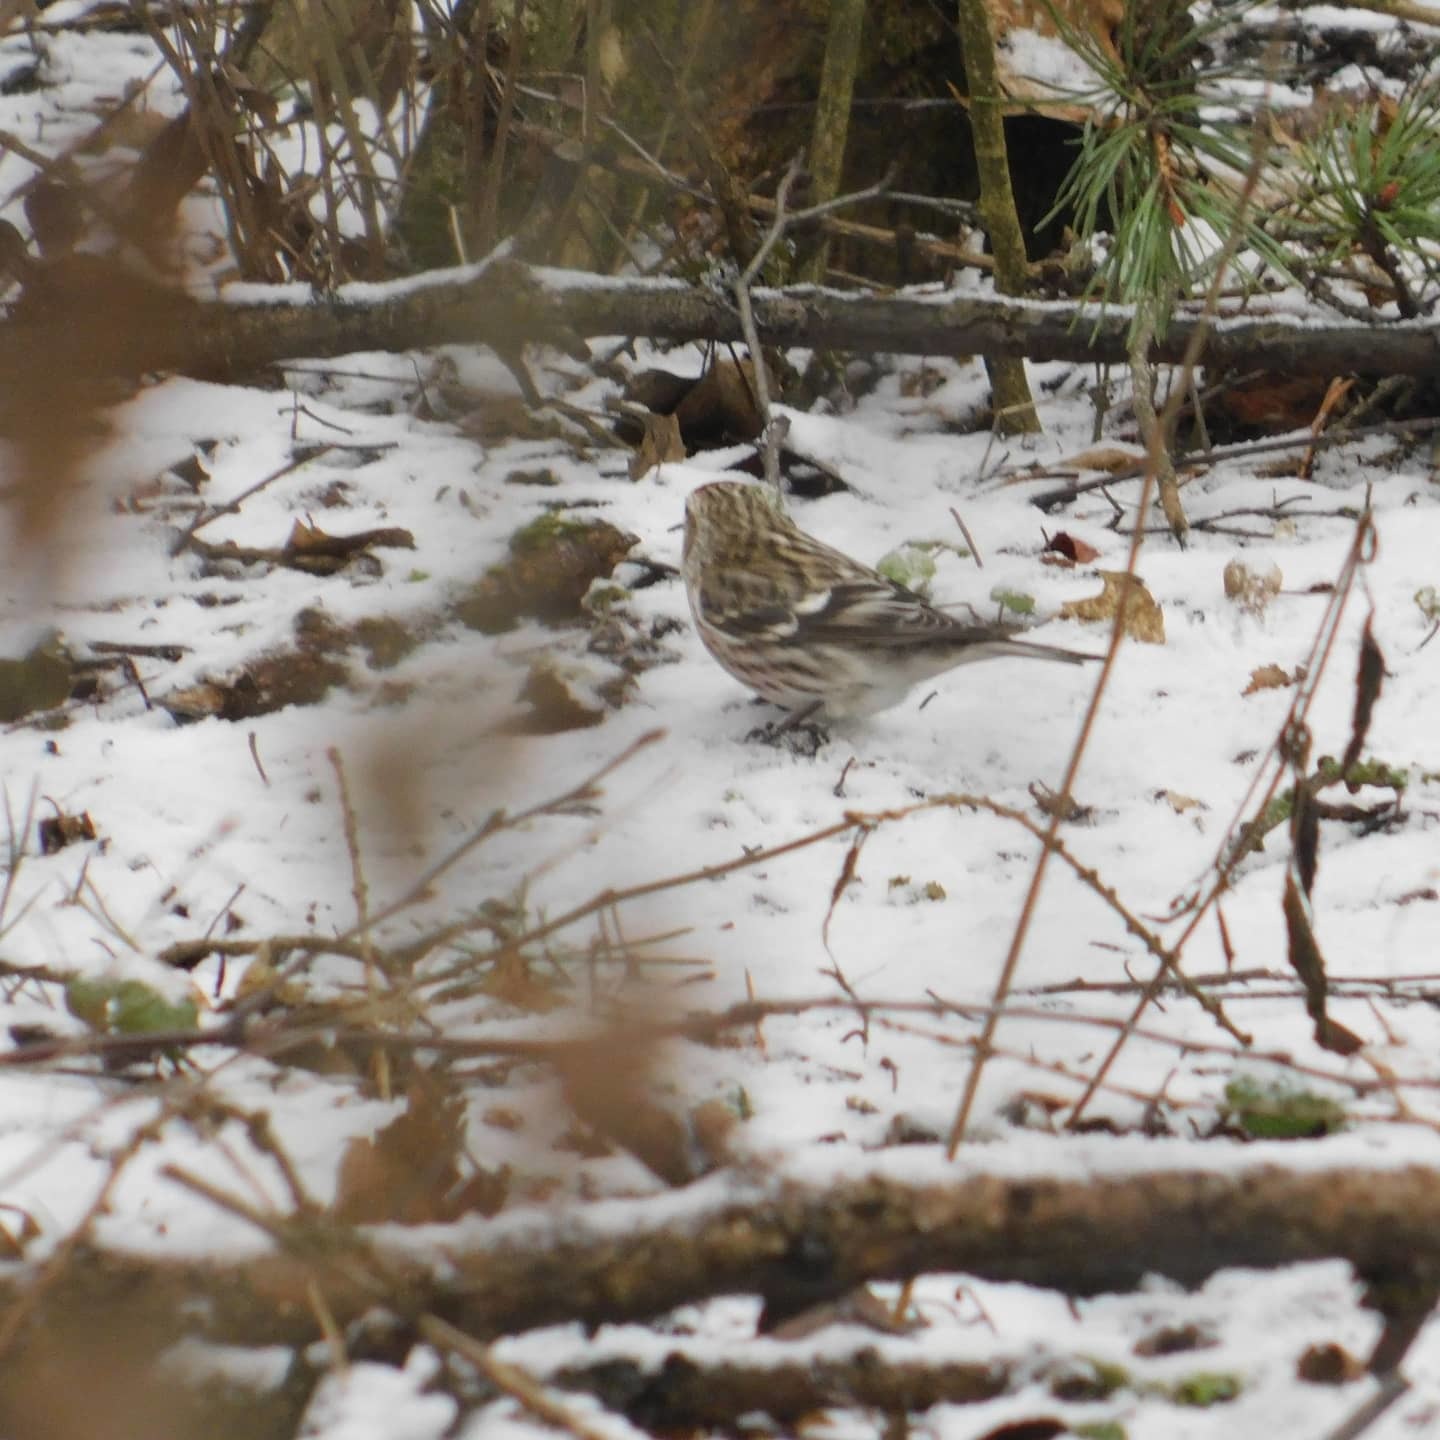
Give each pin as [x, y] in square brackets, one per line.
[1180, 803]
[1144, 619]
[721, 406]
[311, 548]
[1249, 589]
[660, 444]
[511, 979]
[59, 830]
[1268, 677]
[1335, 392]
[503, 1118]
[410, 1170]
[15, 1237]
[1110, 459]
[1273, 403]
[1328, 1364]
[1057, 803]
[860, 1307]
[1062, 548]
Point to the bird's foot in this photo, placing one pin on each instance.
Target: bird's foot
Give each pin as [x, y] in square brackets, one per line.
[802, 738]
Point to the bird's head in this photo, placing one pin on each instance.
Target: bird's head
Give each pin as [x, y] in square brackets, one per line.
[725, 511]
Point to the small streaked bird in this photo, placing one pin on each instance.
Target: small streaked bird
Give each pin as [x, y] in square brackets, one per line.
[808, 628]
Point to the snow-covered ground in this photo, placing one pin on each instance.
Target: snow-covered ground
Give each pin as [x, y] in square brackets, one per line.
[238, 826]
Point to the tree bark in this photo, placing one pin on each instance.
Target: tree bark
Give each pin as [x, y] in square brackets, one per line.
[1010, 390]
[797, 1245]
[832, 117]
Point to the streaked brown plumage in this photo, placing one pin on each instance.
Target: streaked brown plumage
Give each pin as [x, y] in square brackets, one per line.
[805, 626]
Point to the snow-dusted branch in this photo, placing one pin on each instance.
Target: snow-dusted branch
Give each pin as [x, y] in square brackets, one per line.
[507, 304]
[799, 1242]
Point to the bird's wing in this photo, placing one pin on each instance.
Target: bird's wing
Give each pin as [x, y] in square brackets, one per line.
[744, 606]
[847, 606]
[880, 612]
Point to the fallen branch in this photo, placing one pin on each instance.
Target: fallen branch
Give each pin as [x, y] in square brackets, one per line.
[795, 1244]
[506, 304]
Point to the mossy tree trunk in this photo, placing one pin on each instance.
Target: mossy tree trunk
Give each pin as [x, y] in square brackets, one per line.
[832, 116]
[1014, 407]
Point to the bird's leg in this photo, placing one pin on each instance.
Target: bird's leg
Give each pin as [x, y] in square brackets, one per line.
[797, 732]
[798, 717]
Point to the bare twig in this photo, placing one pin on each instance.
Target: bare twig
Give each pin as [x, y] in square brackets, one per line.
[1229, 855]
[232, 507]
[1157, 456]
[969, 538]
[776, 426]
[542, 1403]
[585, 793]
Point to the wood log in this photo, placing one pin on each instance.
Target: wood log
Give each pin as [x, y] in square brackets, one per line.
[507, 305]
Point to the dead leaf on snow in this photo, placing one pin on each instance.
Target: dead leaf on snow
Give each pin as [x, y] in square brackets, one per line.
[1249, 589]
[1109, 459]
[1328, 1364]
[1268, 677]
[1062, 548]
[1052, 803]
[59, 830]
[1180, 803]
[1144, 619]
[513, 980]
[860, 1307]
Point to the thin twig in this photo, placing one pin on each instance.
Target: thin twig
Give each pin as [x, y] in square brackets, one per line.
[969, 538]
[361, 891]
[232, 507]
[582, 794]
[514, 1381]
[1303, 441]
[1159, 438]
[775, 427]
[1229, 855]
